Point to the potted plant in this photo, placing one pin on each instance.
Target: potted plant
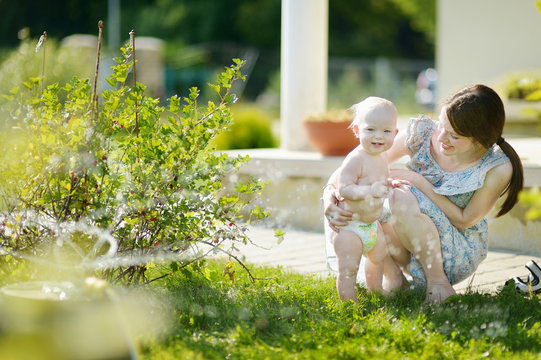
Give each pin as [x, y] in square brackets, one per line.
[329, 132]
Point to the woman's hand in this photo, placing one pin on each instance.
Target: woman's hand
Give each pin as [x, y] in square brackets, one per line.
[334, 214]
[399, 177]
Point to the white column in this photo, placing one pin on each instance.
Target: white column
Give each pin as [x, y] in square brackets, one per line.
[303, 67]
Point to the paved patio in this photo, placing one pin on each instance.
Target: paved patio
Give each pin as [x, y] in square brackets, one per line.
[304, 252]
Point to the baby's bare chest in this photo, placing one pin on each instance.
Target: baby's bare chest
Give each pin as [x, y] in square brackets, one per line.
[372, 171]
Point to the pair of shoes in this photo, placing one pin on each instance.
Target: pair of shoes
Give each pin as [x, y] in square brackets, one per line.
[533, 283]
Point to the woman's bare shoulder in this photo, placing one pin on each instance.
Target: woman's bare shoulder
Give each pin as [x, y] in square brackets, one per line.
[499, 176]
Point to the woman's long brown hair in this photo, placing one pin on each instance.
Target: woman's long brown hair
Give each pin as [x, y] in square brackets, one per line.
[478, 112]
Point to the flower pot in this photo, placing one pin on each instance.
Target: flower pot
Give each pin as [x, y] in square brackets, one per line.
[330, 138]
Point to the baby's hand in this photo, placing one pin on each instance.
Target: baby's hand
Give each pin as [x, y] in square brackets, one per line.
[397, 183]
[379, 189]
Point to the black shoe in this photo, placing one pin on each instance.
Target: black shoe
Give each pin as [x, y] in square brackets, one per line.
[533, 283]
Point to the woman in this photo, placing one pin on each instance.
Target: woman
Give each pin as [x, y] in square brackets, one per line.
[458, 168]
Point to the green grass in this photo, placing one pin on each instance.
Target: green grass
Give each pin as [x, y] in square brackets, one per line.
[293, 316]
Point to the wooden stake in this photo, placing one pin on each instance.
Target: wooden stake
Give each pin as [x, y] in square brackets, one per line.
[94, 113]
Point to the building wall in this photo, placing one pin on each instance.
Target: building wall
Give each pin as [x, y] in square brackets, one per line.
[480, 41]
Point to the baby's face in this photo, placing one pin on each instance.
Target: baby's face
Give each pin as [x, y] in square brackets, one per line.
[378, 130]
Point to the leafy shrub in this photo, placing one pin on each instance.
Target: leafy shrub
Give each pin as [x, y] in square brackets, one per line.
[532, 201]
[61, 64]
[121, 186]
[523, 86]
[531, 85]
[251, 129]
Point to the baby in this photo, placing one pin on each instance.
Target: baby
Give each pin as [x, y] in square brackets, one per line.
[362, 183]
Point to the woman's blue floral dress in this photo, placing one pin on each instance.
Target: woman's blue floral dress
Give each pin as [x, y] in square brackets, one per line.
[462, 250]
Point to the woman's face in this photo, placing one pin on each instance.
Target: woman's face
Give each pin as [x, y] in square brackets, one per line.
[450, 143]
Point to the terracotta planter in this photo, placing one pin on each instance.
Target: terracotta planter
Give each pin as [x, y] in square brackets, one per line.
[330, 138]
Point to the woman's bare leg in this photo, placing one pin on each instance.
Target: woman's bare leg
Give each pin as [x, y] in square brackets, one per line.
[349, 249]
[419, 235]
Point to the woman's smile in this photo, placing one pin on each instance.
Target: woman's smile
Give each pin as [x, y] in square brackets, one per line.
[445, 147]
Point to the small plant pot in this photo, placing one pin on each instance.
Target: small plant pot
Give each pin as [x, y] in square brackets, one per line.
[330, 138]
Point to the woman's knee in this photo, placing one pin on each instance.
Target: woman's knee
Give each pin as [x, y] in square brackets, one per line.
[403, 202]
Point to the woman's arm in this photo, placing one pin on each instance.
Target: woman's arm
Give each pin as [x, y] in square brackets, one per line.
[481, 203]
[399, 148]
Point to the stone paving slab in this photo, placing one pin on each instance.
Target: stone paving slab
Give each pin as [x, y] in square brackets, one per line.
[304, 252]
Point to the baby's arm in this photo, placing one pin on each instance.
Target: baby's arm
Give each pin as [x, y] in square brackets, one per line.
[348, 175]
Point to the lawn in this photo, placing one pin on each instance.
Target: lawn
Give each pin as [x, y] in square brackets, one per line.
[285, 315]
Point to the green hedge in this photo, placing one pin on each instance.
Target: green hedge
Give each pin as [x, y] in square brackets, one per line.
[251, 129]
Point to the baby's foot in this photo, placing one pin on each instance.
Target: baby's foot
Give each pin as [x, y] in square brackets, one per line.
[437, 293]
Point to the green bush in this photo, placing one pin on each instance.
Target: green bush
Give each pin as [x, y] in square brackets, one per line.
[523, 86]
[61, 64]
[251, 129]
[118, 187]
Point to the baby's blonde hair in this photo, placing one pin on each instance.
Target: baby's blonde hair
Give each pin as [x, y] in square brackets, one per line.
[371, 103]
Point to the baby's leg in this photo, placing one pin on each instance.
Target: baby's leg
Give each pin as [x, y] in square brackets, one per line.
[373, 267]
[349, 249]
